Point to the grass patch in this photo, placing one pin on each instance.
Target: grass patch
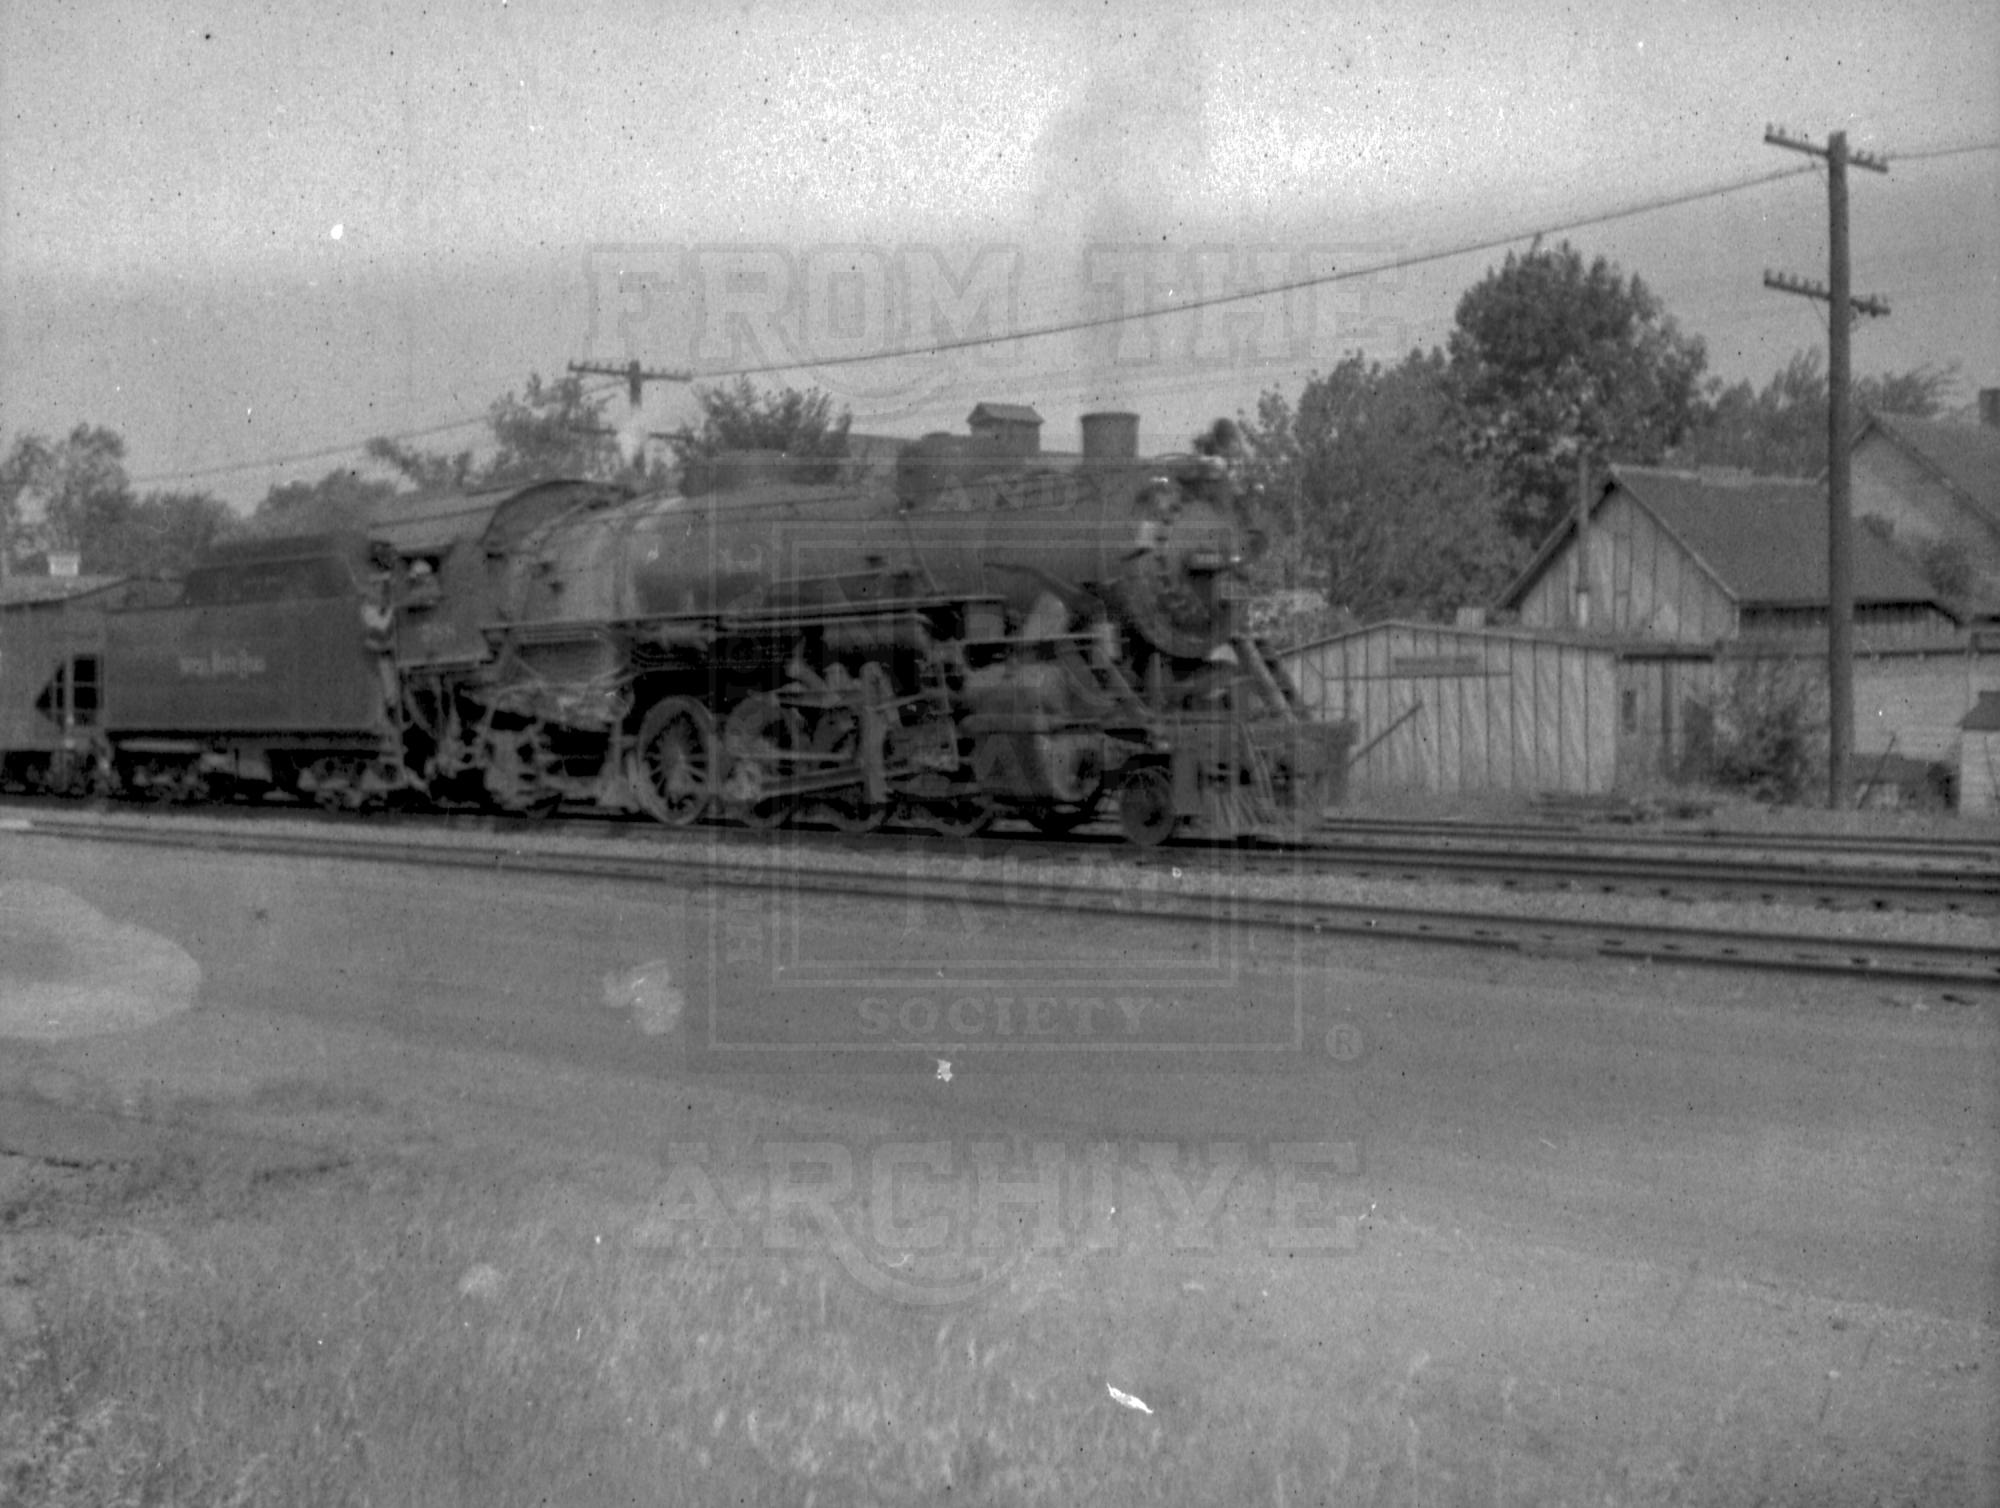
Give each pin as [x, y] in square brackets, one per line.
[390, 1339]
[391, 1336]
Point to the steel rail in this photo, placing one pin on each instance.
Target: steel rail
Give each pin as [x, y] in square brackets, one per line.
[1681, 874]
[1150, 899]
[1551, 830]
[1655, 866]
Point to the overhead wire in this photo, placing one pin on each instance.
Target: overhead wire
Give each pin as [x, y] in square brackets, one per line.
[1123, 316]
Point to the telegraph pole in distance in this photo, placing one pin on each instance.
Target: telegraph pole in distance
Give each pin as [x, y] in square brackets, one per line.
[1843, 306]
[636, 377]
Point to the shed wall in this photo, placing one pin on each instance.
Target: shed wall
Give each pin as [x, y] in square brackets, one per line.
[1912, 702]
[1448, 711]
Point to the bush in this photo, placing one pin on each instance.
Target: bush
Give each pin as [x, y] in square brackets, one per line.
[1767, 728]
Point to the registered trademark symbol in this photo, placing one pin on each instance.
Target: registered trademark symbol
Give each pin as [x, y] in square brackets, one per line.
[1343, 1042]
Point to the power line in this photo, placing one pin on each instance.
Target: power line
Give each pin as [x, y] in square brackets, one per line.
[1399, 264]
[272, 463]
[1070, 327]
[1960, 151]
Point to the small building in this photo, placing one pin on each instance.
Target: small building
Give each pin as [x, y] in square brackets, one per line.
[1935, 485]
[1460, 710]
[1703, 558]
[1735, 567]
[1010, 428]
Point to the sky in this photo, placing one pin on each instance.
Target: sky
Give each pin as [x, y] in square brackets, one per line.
[249, 237]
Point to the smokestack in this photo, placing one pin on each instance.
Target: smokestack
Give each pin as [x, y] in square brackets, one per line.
[1110, 437]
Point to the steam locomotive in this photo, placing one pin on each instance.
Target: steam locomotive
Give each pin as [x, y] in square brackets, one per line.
[987, 633]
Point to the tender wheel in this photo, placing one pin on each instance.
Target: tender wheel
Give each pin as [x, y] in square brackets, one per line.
[1146, 806]
[674, 762]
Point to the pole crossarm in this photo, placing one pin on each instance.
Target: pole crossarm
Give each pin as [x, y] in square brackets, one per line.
[1858, 303]
[1778, 136]
[636, 376]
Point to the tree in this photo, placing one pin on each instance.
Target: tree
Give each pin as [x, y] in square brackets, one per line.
[1367, 484]
[73, 495]
[549, 429]
[342, 499]
[162, 534]
[557, 429]
[55, 494]
[1550, 357]
[738, 417]
[425, 470]
[1781, 430]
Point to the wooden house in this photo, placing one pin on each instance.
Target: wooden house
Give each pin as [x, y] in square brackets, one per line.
[1737, 566]
[1714, 558]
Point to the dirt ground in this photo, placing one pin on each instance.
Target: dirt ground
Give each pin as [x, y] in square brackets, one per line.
[490, 1230]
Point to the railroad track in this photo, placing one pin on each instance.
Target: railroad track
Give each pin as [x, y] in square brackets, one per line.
[1832, 873]
[1836, 873]
[1558, 829]
[1139, 893]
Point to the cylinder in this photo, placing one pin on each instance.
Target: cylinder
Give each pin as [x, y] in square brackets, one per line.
[1110, 437]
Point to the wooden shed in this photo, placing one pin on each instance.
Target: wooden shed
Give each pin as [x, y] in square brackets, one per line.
[1699, 558]
[1458, 710]
[1735, 566]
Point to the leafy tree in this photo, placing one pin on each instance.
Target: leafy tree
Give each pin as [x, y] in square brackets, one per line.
[73, 495]
[342, 499]
[55, 493]
[557, 429]
[739, 417]
[1781, 430]
[1550, 356]
[549, 429]
[1368, 487]
[162, 534]
[425, 470]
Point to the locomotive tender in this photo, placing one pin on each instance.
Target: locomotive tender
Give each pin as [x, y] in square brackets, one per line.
[989, 634]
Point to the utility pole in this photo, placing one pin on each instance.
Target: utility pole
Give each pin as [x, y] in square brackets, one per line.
[1842, 307]
[636, 377]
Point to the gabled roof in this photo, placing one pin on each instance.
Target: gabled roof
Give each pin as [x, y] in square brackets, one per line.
[1762, 539]
[1008, 413]
[1964, 458]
